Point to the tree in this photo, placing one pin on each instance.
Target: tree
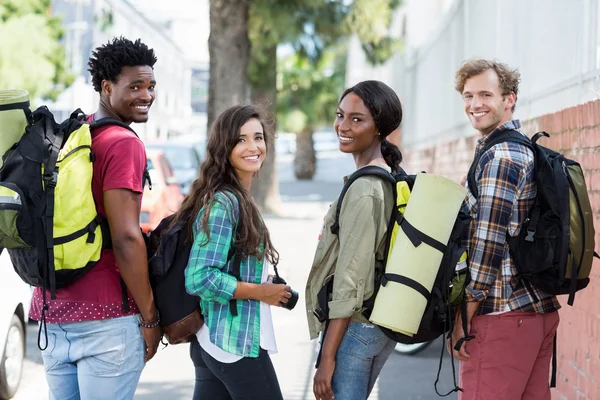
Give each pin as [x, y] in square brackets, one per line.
[229, 51]
[308, 95]
[306, 25]
[309, 27]
[275, 22]
[31, 56]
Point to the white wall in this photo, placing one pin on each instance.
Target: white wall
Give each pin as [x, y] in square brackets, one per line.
[554, 43]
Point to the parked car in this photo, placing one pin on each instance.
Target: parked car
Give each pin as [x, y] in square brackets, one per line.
[15, 299]
[165, 197]
[184, 159]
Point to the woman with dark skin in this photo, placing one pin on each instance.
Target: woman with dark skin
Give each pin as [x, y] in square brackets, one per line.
[353, 350]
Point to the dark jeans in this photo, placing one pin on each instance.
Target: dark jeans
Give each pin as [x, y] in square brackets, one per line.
[248, 378]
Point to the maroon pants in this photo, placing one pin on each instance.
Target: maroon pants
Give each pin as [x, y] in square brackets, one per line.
[510, 357]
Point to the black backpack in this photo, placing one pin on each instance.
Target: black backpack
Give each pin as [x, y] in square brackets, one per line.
[438, 316]
[168, 254]
[555, 245]
[53, 242]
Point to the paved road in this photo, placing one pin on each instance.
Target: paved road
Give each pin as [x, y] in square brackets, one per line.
[170, 374]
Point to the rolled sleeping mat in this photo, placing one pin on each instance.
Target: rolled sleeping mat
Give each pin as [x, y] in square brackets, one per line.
[14, 111]
[432, 208]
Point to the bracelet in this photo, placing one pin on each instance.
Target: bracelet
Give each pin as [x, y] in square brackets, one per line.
[151, 324]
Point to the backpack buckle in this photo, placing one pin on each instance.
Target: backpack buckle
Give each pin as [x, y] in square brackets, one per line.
[51, 179]
[529, 237]
[320, 315]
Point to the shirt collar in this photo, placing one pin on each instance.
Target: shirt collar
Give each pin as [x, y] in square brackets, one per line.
[513, 125]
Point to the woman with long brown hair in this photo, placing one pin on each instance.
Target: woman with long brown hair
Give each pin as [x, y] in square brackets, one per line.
[231, 353]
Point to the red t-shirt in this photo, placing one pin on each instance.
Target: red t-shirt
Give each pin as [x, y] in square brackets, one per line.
[119, 164]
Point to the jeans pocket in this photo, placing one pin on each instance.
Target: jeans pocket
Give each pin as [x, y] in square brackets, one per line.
[48, 355]
[365, 333]
[105, 351]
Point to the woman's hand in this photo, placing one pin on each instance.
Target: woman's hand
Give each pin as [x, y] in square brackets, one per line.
[322, 381]
[275, 294]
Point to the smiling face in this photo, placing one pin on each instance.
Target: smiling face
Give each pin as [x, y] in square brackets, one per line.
[355, 126]
[485, 105]
[132, 95]
[249, 153]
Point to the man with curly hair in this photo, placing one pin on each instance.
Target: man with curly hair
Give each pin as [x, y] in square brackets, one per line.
[513, 323]
[104, 327]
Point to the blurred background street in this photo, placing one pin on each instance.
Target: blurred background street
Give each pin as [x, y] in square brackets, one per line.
[294, 58]
[170, 375]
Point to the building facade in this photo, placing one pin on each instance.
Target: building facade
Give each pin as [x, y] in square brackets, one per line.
[554, 43]
[91, 23]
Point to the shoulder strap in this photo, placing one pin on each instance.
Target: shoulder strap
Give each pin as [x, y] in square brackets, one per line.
[102, 122]
[50, 177]
[508, 136]
[237, 262]
[370, 170]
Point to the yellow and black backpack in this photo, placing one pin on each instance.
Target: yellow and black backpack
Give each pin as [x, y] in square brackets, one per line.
[48, 218]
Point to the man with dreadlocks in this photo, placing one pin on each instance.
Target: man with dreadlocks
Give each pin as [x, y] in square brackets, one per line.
[98, 341]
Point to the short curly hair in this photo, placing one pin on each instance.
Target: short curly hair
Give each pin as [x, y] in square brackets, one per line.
[108, 60]
[509, 78]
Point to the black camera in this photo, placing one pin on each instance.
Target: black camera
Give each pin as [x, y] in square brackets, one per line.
[292, 300]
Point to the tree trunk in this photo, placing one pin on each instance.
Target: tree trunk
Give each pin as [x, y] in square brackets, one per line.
[265, 188]
[229, 50]
[305, 160]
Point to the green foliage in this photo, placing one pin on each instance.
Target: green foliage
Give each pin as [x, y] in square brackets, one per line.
[308, 26]
[370, 21]
[308, 92]
[31, 57]
[310, 80]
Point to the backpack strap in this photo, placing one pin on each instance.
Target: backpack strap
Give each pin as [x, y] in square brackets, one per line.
[370, 170]
[237, 262]
[50, 177]
[108, 121]
[19, 106]
[508, 136]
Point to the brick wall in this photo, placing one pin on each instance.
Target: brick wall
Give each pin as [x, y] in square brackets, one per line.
[575, 132]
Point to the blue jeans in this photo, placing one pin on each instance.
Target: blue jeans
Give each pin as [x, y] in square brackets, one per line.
[94, 359]
[362, 353]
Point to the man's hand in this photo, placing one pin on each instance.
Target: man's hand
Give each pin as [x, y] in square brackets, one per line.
[152, 339]
[322, 381]
[459, 333]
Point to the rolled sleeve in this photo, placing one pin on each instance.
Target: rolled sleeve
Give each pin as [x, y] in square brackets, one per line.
[355, 263]
[498, 187]
[204, 275]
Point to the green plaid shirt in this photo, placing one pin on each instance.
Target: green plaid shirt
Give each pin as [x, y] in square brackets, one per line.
[209, 275]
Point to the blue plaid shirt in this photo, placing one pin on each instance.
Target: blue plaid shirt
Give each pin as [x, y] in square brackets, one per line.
[209, 275]
[507, 191]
